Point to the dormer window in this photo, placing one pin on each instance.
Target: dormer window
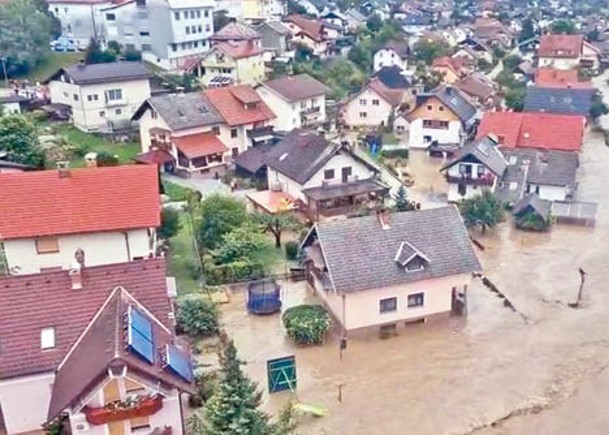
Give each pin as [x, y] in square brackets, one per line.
[47, 338]
[410, 258]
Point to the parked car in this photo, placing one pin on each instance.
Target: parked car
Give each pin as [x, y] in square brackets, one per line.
[64, 44]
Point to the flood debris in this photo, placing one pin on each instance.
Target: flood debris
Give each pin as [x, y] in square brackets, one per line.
[582, 280]
[506, 302]
[477, 243]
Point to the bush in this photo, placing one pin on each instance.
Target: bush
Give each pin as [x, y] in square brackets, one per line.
[306, 324]
[395, 153]
[198, 316]
[170, 223]
[176, 192]
[104, 158]
[291, 250]
[205, 384]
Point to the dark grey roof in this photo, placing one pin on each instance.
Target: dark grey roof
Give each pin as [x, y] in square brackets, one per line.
[340, 190]
[252, 159]
[392, 77]
[277, 26]
[533, 202]
[11, 165]
[360, 254]
[485, 151]
[300, 154]
[104, 72]
[552, 100]
[297, 88]
[552, 168]
[454, 100]
[181, 111]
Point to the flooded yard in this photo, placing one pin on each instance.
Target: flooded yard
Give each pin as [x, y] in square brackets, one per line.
[493, 372]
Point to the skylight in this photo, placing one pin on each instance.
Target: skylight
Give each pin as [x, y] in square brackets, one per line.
[47, 338]
[282, 157]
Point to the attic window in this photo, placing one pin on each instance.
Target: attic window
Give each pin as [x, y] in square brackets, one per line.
[47, 338]
[513, 160]
[411, 258]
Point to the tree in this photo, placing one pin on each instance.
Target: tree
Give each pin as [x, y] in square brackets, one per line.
[427, 50]
[374, 23]
[528, 30]
[220, 214]
[563, 26]
[598, 108]
[221, 19]
[511, 62]
[276, 224]
[233, 409]
[484, 64]
[95, 54]
[242, 244]
[133, 55]
[593, 35]
[295, 8]
[170, 223]
[482, 211]
[361, 56]
[197, 316]
[19, 141]
[514, 98]
[25, 34]
[104, 158]
[401, 202]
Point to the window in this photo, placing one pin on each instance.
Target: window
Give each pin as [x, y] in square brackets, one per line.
[207, 28]
[192, 14]
[233, 132]
[185, 15]
[196, 44]
[441, 108]
[427, 123]
[47, 245]
[462, 168]
[75, 96]
[110, 17]
[193, 29]
[47, 338]
[188, 30]
[388, 305]
[176, 16]
[114, 94]
[153, 114]
[146, 47]
[198, 14]
[199, 29]
[174, 47]
[362, 102]
[328, 174]
[102, 114]
[139, 423]
[416, 300]
[426, 138]
[480, 171]
[206, 13]
[429, 107]
[363, 114]
[118, 111]
[443, 124]
[216, 130]
[144, 33]
[89, 97]
[537, 188]
[375, 102]
[65, 94]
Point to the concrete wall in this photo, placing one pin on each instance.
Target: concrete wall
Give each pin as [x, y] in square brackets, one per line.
[80, 20]
[376, 115]
[100, 248]
[450, 135]
[96, 114]
[387, 57]
[470, 191]
[25, 402]
[362, 308]
[559, 63]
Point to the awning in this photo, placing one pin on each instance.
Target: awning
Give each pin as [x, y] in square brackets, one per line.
[154, 157]
[272, 201]
[199, 145]
[340, 190]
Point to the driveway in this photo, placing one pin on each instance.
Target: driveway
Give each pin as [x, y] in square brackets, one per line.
[206, 186]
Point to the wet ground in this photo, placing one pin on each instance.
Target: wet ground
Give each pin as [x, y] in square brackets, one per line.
[495, 372]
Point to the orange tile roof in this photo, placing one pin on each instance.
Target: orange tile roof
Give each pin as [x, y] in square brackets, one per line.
[239, 49]
[273, 202]
[454, 64]
[392, 96]
[569, 46]
[534, 130]
[555, 78]
[311, 28]
[199, 144]
[229, 102]
[40, 203]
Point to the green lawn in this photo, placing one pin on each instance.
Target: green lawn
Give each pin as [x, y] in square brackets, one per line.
[52, 63]
[183, 258]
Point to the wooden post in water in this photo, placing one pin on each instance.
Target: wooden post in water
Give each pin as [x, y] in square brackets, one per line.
[582, 276]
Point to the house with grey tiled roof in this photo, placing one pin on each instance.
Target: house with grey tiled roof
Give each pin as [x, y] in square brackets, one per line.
[390, 269]
[325, 178]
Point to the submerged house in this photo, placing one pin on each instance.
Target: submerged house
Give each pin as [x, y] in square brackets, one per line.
[388, 269]
[533, 213]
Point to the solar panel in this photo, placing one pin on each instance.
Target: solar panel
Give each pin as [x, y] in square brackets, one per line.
[140, 345]
[179, 363]
[140, 323]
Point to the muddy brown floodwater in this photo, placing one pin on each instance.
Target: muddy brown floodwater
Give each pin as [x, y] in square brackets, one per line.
[490, 373]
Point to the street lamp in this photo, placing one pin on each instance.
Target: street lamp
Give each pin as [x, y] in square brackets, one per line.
[3, 59]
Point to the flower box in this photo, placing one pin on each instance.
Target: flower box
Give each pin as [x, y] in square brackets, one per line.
[104, 414]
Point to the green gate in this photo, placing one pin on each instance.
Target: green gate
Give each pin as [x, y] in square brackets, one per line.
[281, 374]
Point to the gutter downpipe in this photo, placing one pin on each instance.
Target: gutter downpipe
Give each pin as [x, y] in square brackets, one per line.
[126, 234]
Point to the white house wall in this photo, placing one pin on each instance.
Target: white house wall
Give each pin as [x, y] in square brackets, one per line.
[376, 115]
[99, 248]
[551, 193]
[288, 114]
[450, 135]
[387, 57]
[359, 171]
[25, 402]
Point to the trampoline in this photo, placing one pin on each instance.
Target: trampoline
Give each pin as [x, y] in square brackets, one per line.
[263, 297]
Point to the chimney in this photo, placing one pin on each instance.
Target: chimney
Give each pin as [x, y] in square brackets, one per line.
[64, 169]
[75, 273]
[384, 219]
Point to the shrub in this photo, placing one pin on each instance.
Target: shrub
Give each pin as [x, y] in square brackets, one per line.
[176, 192]
[205, 384]
[291, 250]
[395, 153]
[306, 324]
[104, 158]
[198, 316]
[170, 223]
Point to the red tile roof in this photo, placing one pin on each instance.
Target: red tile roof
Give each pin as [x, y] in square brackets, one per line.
[199, 144]
[228, 101]
[454, 64]
[41, 203]
[311, 28]
[569, 46]
[392, 96]
[534, 130]
[31, 303]
[239, 49]
[556, 78]
[154, 157]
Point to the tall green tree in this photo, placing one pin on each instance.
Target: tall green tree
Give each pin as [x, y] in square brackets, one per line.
[95, 54]
[481, 211]
[374, 23]
[18, 139]
[234, 407]
[528, 30]
[25, 33]
[563, 26]
[276, 224]
[361, 56]
[220, 214]
[427, 50]
[401, 201]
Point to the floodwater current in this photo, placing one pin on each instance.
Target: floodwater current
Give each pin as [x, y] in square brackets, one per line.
[541, 370]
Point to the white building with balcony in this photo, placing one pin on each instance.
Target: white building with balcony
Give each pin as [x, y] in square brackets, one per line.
[102, 97]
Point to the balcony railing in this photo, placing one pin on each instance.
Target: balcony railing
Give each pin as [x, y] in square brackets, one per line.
[142, 407]
[484, 180]
[310, 110]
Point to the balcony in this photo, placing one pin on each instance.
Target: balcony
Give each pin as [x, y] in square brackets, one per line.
[485, 180]
[310, 110]
[141, 406]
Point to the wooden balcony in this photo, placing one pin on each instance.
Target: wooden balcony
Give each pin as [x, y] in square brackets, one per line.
[485, 180]
[107, 414]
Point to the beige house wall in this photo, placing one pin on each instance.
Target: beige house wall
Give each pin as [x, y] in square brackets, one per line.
[363, 103]
[25, 402]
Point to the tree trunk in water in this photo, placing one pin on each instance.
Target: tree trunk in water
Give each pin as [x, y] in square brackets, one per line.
[277, 239]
